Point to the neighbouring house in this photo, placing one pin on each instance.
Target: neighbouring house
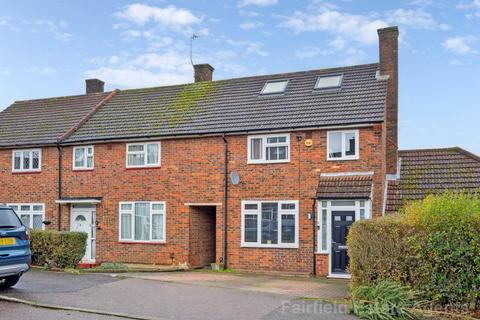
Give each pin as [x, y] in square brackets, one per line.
[261, 173]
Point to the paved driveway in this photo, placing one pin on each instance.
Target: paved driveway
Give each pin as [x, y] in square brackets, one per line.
[166, 296]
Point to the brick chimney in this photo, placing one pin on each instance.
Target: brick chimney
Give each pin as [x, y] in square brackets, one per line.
[203, 72]
[388, 48]
[94, 85]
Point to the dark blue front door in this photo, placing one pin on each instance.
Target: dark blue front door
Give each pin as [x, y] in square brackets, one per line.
[341, 223]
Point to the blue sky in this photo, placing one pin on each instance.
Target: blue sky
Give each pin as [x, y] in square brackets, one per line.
[49, 47]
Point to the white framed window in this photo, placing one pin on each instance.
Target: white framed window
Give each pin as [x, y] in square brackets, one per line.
[343, 145]
[272, 148]
[362, 210]
[31, 214]
[331, 81]
[27, 160]
[270, 224]
[142, 221]
[274, 87]
[140, 155]
[83, 158]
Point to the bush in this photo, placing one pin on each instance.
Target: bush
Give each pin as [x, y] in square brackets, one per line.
[386, 300]
[432, 245]
[57, 249]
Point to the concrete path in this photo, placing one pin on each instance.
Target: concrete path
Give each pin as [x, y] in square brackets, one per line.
[160, 299]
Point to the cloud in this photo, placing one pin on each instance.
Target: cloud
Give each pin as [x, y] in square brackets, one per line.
[311, 52]
[171, 17]
[474, 5]
[251, 25]
[417, 19]
[7, 22]
[261, 3]
[46, 71]
[39, 25]
[250, 47]
[460, 45]
[359, 28]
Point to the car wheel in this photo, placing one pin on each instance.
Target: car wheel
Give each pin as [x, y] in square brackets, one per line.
[9, 282]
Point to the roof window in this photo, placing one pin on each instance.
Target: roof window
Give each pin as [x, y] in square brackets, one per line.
[329, 81]
[275, 86]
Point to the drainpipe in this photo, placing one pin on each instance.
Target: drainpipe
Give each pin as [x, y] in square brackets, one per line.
[225, 198]
[59, 206]
[314, 237]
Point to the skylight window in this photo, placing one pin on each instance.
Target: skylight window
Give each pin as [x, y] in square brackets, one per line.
[329, 82]
[272, 87]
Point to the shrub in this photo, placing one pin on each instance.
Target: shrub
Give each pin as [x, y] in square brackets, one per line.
[385, 300]
[432, 245]
[57, 249]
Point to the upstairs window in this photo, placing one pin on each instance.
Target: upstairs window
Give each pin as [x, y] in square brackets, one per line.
[83, 158]
[274, 87]
[26, 160]
[269, 148]
[329, 82]
[342, 145]
[143, 155]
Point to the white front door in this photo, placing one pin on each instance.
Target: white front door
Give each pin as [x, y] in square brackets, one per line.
[83, 220]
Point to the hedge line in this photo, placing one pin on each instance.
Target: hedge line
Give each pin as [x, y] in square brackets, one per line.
[432, 246]
[56, 249]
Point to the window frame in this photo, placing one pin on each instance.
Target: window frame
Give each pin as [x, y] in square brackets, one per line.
[85, 167]
[132, 213]
[344, 156]
[265, 145]
[263, 93]
[341, 75]
[258, 212]
[29, 212]
[30, 151]
[145, 152]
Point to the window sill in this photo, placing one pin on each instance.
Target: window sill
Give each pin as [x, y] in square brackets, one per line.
[342, 159]
[142, 242]
[79, 169]
[322, 253]
[143, 168]
[27, 172]
[266, 246]
[268, 162]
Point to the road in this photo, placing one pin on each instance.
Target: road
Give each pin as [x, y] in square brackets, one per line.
[153, 299]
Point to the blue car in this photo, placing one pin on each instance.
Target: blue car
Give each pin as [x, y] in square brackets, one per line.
[15, 255]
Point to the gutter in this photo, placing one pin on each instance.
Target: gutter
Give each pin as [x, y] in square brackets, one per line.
[225, 200]
[314, 237]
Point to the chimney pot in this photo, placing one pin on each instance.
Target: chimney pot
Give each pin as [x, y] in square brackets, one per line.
[203, 72]
[94, 86]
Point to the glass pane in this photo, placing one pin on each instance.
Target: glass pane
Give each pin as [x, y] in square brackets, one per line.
[251, 206]
[93, 248]
[126, 206]
[350, 144]
[25, 219]
[274, 87]
[280, 139]
[362, 214]
[79, 157]
[35, 159]
[136, 159]
[15, 208]
[26, 160]
[135, 147]
[288, 206]
[270, 223]
[126, 226]
[324, 230]
[25, 208]
[251, 228]
[343, 203]
[324, 204]
[142, 221]
[288, 228]
[328, 82]
[37, 221]
[37, 208]
[80, 218]
[157, 206]
[90, 162]
[17, 160]
[335, 145]
[90, 151]
[256, 149]
[277, 153]
[362, 203]
[157, 226]
[152, 154]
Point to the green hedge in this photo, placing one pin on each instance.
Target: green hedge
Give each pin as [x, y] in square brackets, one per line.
[57, 249]
[432, 246]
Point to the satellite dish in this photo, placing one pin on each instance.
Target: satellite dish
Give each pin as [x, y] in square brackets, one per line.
[234, 177]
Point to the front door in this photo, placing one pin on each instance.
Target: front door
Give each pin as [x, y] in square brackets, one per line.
[83, 220]
[341, 222]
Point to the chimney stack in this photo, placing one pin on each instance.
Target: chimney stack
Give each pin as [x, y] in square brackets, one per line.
[388, 50]
[94, 85]
[203, 72]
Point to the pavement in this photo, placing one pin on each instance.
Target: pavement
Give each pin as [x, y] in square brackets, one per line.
[179, 295]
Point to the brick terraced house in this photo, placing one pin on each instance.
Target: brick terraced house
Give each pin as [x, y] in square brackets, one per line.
[261, 173]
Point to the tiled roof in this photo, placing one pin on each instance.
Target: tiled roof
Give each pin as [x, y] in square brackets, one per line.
[431, 171]
[235, 105]
[345, 187]
[44, 121]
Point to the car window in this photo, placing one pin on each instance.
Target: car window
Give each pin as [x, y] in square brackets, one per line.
[8, 218]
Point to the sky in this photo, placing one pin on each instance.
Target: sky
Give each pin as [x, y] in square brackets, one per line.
[48, 48]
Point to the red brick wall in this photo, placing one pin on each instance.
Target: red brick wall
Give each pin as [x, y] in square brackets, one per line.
[321, 267]
[192, 172]
[202, 236]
